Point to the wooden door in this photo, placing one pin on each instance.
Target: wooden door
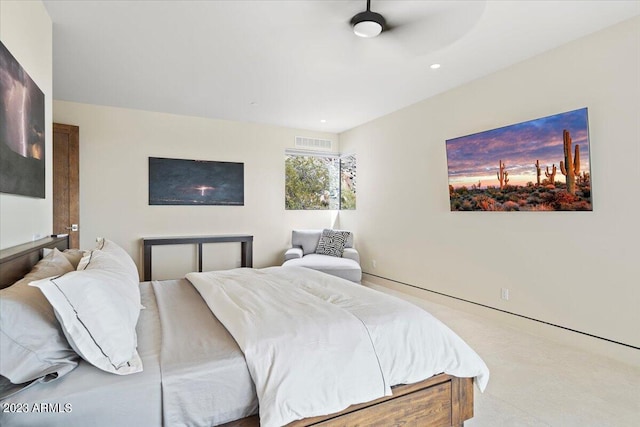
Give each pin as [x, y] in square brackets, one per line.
[66, 182]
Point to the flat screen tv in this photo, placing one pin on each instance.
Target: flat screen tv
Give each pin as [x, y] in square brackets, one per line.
[195, 182]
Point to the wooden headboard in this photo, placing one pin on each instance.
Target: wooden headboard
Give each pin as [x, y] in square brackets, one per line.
[17, 261]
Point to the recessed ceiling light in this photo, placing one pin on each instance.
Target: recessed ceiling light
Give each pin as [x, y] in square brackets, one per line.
[323, 121]
[435, 66]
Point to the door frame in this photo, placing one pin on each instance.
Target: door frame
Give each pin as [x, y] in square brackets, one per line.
[72, 185]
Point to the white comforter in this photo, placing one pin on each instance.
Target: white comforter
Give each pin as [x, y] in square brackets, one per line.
[315, 344]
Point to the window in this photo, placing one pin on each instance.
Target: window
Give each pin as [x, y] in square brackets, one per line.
[348, 182]
[319, 181]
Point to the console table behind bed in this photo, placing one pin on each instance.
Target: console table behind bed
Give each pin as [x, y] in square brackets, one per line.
[440, 401]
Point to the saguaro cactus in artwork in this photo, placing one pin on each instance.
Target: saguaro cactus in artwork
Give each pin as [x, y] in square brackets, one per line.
[502, 175]
[551, 175]
[570, 168]
[537, 165]
[584, 178]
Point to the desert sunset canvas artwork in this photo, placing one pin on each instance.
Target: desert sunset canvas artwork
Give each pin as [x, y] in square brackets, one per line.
[538, 165]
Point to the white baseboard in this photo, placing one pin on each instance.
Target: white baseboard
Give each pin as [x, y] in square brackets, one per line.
[618, 352]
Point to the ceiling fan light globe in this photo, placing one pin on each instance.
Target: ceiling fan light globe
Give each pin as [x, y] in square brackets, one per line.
[367, 29]
[368, 24]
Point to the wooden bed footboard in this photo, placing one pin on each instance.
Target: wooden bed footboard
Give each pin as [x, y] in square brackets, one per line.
[440, 401]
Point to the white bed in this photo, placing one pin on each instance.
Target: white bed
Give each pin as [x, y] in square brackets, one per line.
[196, 374]
[209, 362]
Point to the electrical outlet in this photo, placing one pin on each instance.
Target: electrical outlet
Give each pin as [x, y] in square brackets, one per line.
[374, 263]
[504, 294]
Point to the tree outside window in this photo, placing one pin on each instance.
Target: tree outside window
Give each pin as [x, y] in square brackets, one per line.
[318, 182]
[348, 182]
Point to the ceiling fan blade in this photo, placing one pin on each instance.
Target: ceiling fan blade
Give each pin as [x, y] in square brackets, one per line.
[432, 29]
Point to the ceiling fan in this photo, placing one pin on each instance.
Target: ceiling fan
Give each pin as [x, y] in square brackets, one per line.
[418, 27]
[368, 24]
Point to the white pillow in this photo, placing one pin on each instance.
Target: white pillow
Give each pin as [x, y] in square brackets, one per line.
[123, 258]
[72, 255]
[32, 344]
[98, 309]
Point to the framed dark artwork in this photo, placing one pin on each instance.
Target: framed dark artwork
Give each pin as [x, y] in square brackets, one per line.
[195, 182]
[538, 165]
[22, 130]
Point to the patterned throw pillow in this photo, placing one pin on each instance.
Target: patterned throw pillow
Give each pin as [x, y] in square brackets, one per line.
[332, 242]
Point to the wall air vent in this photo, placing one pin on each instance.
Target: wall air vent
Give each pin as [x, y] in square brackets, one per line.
[313, 144]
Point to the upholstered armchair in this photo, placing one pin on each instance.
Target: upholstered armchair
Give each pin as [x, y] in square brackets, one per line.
[329, 251]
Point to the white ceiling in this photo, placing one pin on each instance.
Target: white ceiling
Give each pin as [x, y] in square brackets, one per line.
[294, 63]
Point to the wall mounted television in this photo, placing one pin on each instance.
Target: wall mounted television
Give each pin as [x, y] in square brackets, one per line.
[195, 182]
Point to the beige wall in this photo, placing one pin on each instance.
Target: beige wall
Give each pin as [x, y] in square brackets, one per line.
[115, 145]
[580, 270]
[26, 30]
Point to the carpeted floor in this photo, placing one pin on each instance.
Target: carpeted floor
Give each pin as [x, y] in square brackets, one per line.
[539, 382]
